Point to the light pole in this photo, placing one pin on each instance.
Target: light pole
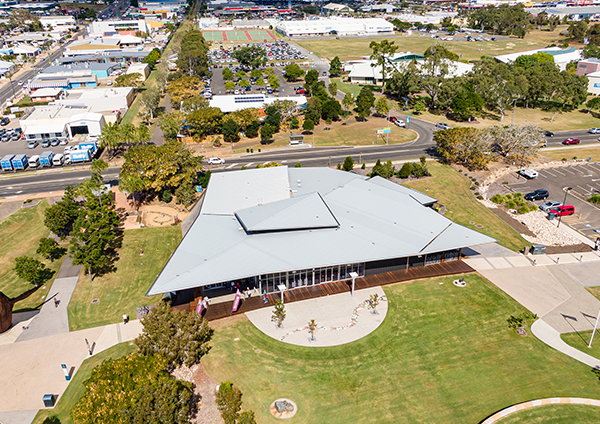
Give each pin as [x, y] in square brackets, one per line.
[594, 332]
[564, 202]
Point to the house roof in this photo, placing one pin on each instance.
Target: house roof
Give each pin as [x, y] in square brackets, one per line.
[360, 219]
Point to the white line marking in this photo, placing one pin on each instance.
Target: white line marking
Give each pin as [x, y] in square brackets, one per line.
[250, 164]
[556, 170]
[283, 161]
[585, 190]
[231, 166]
[565, 169]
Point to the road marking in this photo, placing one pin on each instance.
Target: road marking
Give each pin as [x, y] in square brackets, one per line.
[250, 164]
[565, 169]
[20, 191]
[585, 190]
[587, 175]
[576, 169]
[548, 171]
[231, 166]
[556, 170]
[283, 161]
[266, 162]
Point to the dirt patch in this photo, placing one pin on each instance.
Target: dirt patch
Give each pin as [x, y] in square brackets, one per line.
[573, 248]
[226, 322]
[204, 393]
[514, 224]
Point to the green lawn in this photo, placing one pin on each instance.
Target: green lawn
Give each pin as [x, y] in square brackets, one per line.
[556, 414]
[452, 190]
[76, 389]
[571, 152]
[580, 340]
[358, 47]
[21, 233]
[442, 355]
[354, 88]
[124, 290]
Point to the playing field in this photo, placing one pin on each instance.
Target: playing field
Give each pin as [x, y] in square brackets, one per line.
[248, 35]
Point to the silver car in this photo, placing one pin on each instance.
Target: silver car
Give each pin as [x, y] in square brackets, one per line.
[548, 206]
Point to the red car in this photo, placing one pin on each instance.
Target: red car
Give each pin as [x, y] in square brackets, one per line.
[571, 141]
[301, 91]
[563, 210]
[393, 119]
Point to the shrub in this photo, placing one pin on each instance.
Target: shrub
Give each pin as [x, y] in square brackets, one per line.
[348, 164]
[574, 157]
[517, 195]
[476, 193]
[244, 167]
[594, 199]
[477, 183]
[339, 166]
[298, 165]
[522, 210]
[564, 159]
[405, 171]
[185, 194]
[508, 196]
[511, 204]
[363, 166]
[497, 199]
[533, 208]
[472, 188]
[165, 196]
[229, 402]
[479, 197]
[505, 182]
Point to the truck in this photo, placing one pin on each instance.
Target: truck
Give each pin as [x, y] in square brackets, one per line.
[89, 145]
[19, 162]
[46, 158]
[6, 163]
[78, 156]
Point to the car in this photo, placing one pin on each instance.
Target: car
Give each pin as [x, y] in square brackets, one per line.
[442, 126]
[15, 136]
[393, 119]
[4, 121]
[18, 130]
[537, 195]
[548, 206]
[54, 142]
[301, 91]
[5, 138]
[63, 142]
[324, 73]
[548, 133]
[45, 143]
[594, 131]
[528, 173]
[563, 210]
[216, 161]
[236, 92]
[400, 123]
[32, 144]
[571, 140]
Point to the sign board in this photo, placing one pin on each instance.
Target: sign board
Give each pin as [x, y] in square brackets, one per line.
[384, 131]
[296, 139]
[65, 372]
[379, 131]
[596, 84]
[14, 109]
[236, 301]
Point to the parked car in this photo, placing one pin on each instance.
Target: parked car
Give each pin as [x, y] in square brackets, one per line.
[442, 126]
[564, 210]
[571, 140]
[400, 123]
[45, 143]
[4, 121]
[552, 204]
[54, 142]
[32, 144]
[594, 131]
[393, 119]
[216, 161]
[301, 91]
[528, 173]
[63, 142]
[537, 195]
[548, 133]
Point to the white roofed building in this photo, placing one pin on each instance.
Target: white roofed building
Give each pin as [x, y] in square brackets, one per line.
[229, 104]
[562, 57]
[300, 227]
[335, 26]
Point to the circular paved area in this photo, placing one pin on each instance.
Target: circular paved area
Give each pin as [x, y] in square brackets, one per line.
[498, 416]
[341, 319]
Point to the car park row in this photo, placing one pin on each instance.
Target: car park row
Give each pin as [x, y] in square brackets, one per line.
[82, 152]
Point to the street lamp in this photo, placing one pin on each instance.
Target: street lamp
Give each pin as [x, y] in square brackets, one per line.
[564, 202]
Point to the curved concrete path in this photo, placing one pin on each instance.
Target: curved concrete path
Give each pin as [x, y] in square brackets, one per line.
[340, 318]
[546, 333]
[498, 416]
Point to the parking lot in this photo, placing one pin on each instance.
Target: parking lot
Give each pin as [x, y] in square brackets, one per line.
[583, 178]
[218, 84]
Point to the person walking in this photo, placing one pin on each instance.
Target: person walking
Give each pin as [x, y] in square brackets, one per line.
[56, 302]
[125, 318]
[265, 299]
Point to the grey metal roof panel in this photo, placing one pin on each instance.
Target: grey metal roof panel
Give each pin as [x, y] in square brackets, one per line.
[301, 212]
[231, 191]
[323, 180]
[374, 223]
[417, 195]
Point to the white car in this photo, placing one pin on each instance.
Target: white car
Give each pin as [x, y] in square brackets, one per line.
[548, 206]
[400, 123]
[594, 131]
[528, 173]
[216, 161]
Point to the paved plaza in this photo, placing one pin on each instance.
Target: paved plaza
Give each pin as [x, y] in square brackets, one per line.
[340, 318]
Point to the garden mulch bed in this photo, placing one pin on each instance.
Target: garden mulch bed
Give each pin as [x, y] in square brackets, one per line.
[572, 248]
[514, 224]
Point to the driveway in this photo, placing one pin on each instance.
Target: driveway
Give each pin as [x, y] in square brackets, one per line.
[584, 178]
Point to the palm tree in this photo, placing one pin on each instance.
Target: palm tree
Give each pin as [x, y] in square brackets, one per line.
[110, 137]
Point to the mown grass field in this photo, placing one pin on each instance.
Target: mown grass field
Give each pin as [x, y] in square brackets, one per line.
[76, 389]
[124, 290]
[580, 340]
[573, 152]
[357, 47]
[452, 190]
[20, 234]
[442, 355]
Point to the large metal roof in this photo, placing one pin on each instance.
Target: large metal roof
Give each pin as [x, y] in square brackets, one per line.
[377, 219]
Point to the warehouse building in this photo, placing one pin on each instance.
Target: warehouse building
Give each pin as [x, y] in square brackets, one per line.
[335, 26]
[298, 227]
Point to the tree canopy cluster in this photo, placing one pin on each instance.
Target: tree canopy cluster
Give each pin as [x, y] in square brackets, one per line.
[503, 19]
[193, 59]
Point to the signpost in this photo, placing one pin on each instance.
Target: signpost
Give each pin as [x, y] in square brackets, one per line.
[354, 275]
[281, 288]
[386, 131]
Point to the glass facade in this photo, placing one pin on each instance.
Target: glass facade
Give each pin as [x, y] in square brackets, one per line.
[308, 277]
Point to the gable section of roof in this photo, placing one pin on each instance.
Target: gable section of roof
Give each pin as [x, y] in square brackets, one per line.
[308, 212]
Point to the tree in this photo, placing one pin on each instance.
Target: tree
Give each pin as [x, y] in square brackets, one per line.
[241, 74]
[519, 143]
[312, 76]
[185, 194]
[129, 80]
[60, 217]
[183, 88]
[503, 19]
[466, 105]
[150, 98]
[348, 102]
[274, 82]
[30, 270]
[308, 125]
[405, 83]
[273, 117]
[405, 171]
[266, 132]
[331, 110]
[312, 328]
[335, 66]
[229, 402]
[161, 80]
[382, 53]
[593, 104]
[171, 123]
[440, 51]
[152, 58]
[192, 59]
[152, 169]
[466, 146]
[433, 71]
[527, 61]
[231, 130]
[278, 313]
[179, 337]
[577, 31]
[205, 121]
[383, 170]
[382, 106]
[192, 104]
[110, 137]
[49, 249]
[332, 88]
[313, 109]
[229, 86]
[256, 73]
[293, 72]
[348, 164]
[253, 57]
[227, 74]
[134, 389]
[591, 50]
[374, 300]
[364, 102]
[244, 117]
[252, 129]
